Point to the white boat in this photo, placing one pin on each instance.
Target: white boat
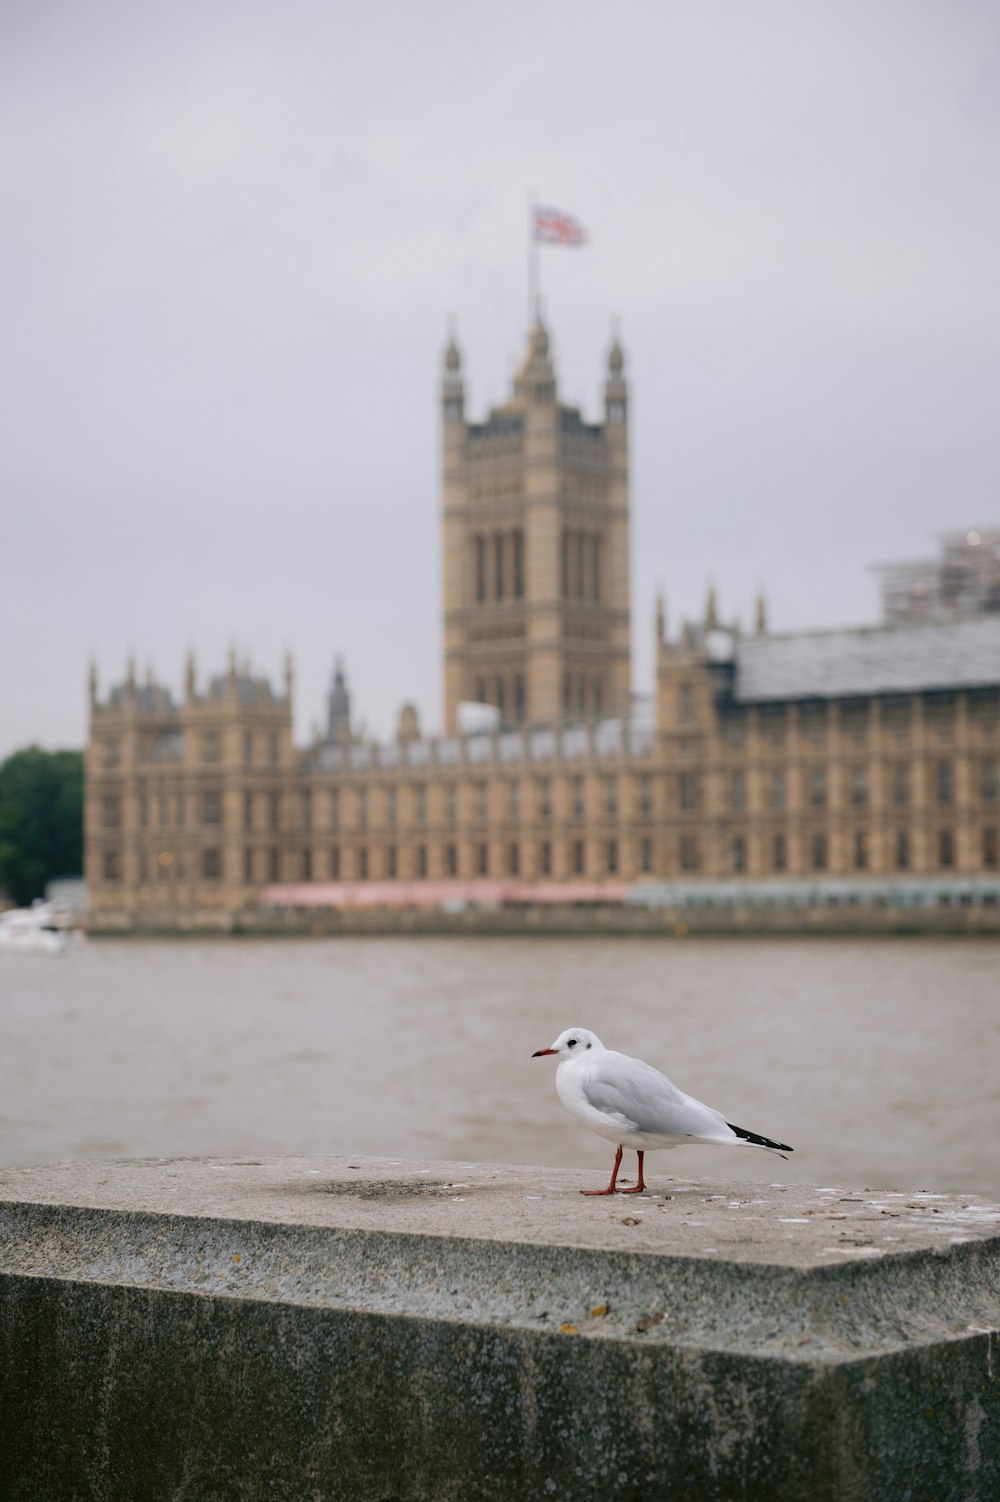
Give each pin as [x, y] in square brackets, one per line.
[40, 929]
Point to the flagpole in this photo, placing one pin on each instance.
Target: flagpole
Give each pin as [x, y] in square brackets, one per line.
[532, 260]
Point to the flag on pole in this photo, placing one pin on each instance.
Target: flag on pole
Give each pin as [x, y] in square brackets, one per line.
[552, 227]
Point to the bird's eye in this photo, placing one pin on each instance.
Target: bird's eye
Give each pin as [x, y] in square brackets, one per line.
[571, 1042]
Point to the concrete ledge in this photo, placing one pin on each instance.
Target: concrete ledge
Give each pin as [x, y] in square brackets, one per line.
[330, 1328]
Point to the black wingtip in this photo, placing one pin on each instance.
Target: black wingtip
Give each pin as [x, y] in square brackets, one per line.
[758, 1140]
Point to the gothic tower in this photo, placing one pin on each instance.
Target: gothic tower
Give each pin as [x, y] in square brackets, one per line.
[536, 548]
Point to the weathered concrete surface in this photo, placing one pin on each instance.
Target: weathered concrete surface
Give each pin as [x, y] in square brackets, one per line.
[330, 1328]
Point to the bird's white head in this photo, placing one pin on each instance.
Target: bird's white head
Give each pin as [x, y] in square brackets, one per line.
[573, 1043]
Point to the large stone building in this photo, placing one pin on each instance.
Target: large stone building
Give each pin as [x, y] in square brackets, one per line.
[845, 754]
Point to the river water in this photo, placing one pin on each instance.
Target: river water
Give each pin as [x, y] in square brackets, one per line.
[879, 1060]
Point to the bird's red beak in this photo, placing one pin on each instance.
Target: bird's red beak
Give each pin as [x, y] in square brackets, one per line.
[540, 1052]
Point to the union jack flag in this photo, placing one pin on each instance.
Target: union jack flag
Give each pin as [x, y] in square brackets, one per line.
[552, 227]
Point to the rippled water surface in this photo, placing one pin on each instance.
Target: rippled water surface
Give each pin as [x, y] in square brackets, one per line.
[878, 1060]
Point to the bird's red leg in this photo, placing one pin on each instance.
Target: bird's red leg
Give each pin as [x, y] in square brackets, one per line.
[641, 1184]
[614, 1176]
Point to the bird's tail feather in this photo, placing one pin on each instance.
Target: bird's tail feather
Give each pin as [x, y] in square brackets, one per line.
[753, 1139]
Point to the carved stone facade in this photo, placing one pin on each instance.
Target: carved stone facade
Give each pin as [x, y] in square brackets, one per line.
[851, 754]
[536, 548]
[206, 807]
[831, 754]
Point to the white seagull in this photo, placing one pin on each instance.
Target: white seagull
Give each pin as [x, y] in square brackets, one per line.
[634, 1105]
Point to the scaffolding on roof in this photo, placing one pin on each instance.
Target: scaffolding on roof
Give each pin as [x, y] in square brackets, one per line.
[963, 581]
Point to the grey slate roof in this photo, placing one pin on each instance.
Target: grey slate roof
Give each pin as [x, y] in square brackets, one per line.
[879, 659]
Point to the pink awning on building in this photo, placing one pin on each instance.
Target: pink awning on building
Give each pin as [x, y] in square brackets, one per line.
[351, 894]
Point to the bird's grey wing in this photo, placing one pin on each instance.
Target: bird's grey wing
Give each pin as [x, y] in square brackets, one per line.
[638, 1096]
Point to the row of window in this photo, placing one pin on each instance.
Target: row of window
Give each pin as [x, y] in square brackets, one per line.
[512, 802]
[817, 782]
[580, 565]
[498, 565]
[263, 747]
[814, 720]
[209, 806]
[818, 850]
[508, 694]
[260, 749]
[358, 864]
[267, 865]
[689, 798]
[582, 694]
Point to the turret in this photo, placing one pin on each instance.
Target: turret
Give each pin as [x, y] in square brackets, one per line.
[452, 385]
[408, 728]
[535, 382]
[711, 610]
[338, 707]
[615, 387]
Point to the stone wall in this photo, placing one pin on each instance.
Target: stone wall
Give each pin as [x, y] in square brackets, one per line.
[325, 1329]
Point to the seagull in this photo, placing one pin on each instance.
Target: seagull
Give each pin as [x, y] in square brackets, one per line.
[634, 1105]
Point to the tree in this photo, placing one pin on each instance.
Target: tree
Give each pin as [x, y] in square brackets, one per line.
[41, 820]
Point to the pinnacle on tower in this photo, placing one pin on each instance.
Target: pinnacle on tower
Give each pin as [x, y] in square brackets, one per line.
[711, 611]
[338, 706]
[452, 386]
[536, 378]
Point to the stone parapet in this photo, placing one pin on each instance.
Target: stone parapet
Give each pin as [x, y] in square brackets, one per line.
[332, 1328]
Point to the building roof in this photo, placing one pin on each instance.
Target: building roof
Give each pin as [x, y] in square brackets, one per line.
[877, 660]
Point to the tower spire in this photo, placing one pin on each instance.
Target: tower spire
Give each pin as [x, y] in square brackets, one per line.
[711, 610]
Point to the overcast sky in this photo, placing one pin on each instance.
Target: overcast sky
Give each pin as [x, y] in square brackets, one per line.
[233, 234]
